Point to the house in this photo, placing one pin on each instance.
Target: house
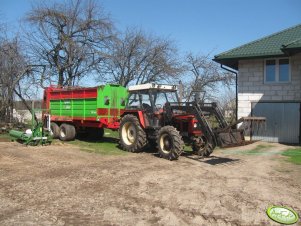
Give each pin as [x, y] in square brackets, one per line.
[269, 82]
[22, 114]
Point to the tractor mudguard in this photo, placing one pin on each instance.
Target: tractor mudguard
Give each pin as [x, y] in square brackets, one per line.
[141, 119]
[140, 116]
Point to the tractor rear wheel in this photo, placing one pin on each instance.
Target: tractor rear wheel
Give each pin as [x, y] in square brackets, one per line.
[67, 132]
[202, 147]
[55, 130]
[170, 143]
[132, 136]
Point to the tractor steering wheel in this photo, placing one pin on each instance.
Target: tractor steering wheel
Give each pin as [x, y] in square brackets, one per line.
[147, 107]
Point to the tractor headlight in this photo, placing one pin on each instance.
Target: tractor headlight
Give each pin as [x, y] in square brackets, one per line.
[195, 125]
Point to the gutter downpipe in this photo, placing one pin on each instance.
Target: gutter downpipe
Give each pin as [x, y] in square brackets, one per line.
[236, 86]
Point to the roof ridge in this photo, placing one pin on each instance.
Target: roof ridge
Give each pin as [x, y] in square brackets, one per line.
[260, 39]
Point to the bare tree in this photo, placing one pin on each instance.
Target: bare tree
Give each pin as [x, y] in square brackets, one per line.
[137, 58]
[70, 38]
[13, 68]
[227, 102]
[202, 74]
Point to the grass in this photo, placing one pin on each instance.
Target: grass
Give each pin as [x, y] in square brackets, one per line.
[294, 155]
[259, 149]
[106, 146]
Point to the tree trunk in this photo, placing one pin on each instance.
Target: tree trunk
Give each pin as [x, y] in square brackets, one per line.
[61, 78]
[26, 104]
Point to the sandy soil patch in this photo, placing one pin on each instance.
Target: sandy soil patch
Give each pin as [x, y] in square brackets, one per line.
[61, 185]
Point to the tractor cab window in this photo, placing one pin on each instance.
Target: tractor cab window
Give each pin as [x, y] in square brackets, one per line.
[139, 100]
[162, 97]
[134, 101]
[145, 101]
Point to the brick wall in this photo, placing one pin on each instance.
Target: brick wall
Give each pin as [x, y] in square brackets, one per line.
[251, 87]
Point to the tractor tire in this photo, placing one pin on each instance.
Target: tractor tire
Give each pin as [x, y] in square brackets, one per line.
[55, 130]
[170, 143]
[204, 149]
[67, 132]
[132, 136]
[95, 133]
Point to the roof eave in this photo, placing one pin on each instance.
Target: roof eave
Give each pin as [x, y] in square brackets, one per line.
[291, 50]
[232, 62]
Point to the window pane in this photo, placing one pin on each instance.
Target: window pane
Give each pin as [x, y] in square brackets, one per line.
[270, 71]
[283, 70]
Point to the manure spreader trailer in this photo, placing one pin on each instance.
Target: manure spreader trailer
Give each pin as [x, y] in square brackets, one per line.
[84, 110]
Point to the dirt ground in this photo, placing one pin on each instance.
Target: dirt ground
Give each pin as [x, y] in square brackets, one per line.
[61, 185]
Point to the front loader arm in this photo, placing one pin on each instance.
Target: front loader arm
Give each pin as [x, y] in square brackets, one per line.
[194, 109]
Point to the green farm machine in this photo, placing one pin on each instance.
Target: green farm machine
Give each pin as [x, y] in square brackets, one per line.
[39, 134]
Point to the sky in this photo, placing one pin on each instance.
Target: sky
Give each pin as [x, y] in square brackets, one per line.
[198, 26]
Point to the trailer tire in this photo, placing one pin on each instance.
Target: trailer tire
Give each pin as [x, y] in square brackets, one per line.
[132, 136]
[55, 130]
[170, 143]
[67, 132]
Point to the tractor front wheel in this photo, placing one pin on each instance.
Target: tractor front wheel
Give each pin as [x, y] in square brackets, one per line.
[170, 143]
[132, 136]
[202, 147]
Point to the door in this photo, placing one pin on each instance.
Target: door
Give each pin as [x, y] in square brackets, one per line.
[282, 122]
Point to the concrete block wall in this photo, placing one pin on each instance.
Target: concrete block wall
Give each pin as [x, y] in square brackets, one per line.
[251, 86]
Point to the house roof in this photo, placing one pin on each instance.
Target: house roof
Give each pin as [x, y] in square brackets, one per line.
[282, 43]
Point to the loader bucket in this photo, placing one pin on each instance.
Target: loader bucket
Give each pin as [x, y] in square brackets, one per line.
[231, 138]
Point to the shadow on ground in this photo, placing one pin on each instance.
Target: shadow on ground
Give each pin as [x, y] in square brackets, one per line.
[151, 149]
[105, 139]
[211, 160]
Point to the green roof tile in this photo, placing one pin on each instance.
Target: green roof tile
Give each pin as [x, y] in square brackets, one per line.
[273, 45]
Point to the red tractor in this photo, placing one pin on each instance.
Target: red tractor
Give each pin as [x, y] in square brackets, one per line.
[155, 116]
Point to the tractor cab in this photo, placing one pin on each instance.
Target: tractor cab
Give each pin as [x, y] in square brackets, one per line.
[151, 96]
[148, 102]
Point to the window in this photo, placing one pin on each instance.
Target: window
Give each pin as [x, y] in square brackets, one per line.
[277, 70]
[284, 70]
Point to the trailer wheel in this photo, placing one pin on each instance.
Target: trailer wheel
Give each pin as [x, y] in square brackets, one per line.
[170, 143]
[132, 136]
[55, 130]
[67, 132]
[202, 147]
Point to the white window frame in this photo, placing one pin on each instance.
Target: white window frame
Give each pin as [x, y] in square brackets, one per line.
[277, 71]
